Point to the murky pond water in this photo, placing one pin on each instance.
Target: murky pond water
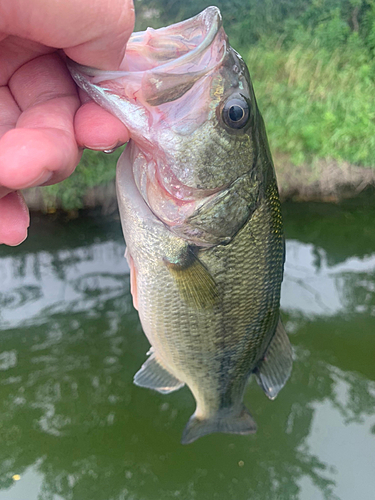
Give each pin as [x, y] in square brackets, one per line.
[74, 427]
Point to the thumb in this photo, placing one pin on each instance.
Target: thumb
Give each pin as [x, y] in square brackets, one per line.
[92, 32]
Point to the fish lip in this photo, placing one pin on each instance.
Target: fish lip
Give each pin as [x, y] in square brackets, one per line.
[211, 18]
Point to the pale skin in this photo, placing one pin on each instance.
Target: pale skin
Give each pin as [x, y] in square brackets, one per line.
[45, 122]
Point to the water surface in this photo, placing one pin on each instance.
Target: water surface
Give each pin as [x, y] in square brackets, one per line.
[74, 427]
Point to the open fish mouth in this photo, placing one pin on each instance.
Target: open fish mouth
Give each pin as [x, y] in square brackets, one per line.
[161, 65]
[153, 96]
[182, 49]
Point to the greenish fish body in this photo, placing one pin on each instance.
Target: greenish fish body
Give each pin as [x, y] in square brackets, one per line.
[201, 217]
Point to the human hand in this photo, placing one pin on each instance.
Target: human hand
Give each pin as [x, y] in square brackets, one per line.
[44, 121]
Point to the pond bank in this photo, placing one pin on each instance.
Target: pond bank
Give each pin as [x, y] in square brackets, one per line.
[322, 180]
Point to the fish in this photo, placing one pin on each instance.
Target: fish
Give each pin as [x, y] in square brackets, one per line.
[200, 213]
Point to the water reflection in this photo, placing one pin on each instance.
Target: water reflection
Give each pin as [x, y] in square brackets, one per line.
[37, 285]
[73, 425]
[313, 287]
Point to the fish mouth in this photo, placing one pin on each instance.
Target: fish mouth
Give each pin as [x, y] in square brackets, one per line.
[150, 93]
[171, 49]
[174, 46]
[168, 198]
[161, 65]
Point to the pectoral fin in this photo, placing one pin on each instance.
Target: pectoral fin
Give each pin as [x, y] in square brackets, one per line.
[153, 375]
[196, 285]
[275, 368]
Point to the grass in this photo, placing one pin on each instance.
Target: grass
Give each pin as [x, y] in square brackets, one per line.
[316, 103]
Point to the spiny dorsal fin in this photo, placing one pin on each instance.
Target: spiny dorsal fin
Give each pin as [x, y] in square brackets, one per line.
[153, 375]
[196, 285]
[275, 368]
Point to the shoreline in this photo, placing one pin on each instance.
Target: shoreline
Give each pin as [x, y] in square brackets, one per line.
[323, 180]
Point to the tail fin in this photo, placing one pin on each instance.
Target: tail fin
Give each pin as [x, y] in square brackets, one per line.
[224, 421]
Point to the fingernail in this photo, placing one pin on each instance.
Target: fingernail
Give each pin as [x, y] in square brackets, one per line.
[106, 149]
[41, 180]
[46, 178]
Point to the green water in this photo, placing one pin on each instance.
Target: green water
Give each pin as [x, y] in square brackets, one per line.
[73, 426]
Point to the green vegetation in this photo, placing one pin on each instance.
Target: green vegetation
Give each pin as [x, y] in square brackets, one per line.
[316, 103]
[313, 68]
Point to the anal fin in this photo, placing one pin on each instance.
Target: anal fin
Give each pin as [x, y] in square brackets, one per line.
[275, 368]
[153, 375]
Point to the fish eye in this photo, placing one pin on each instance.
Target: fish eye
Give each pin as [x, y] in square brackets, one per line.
[236, 113]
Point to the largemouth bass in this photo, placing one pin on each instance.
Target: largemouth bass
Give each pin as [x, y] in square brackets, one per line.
[201, 217]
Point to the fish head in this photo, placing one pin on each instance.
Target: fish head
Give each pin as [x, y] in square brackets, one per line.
[186, 97]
